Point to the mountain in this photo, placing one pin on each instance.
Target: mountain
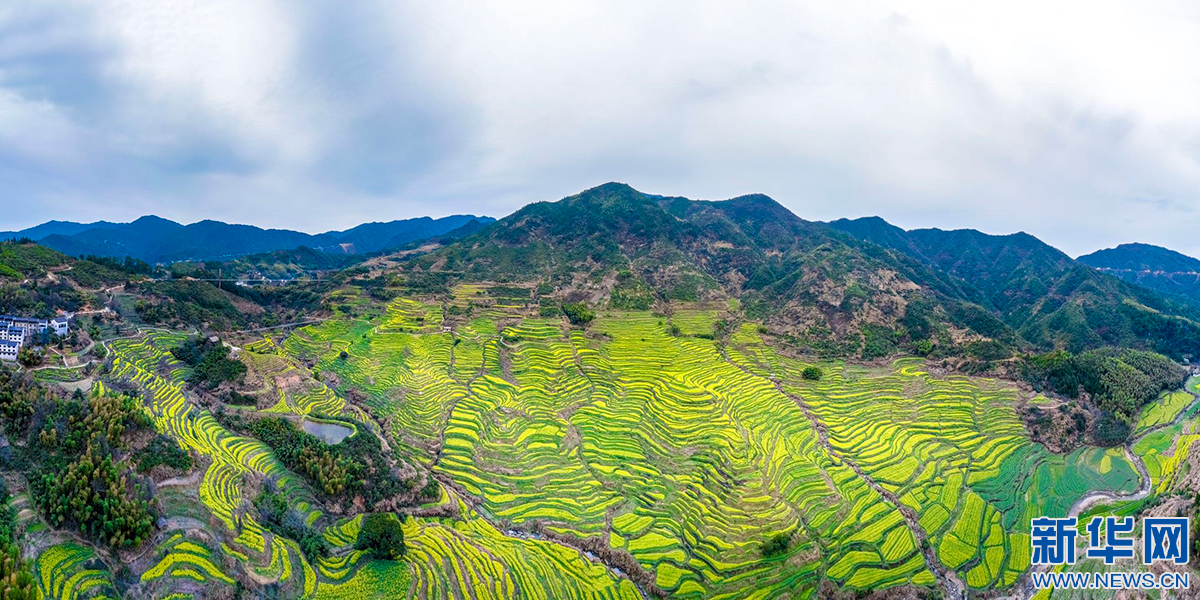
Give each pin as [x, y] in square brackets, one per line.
[38, 232]
[154, 239]
[1152, 267]
[852, 283]
[1048, 298]
[373, 237]
[1141, 257]
[617, 246]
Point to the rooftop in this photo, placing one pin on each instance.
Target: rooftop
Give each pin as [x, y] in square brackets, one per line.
[19, 319]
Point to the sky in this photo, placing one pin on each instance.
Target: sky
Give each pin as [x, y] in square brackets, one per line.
[1078, 122]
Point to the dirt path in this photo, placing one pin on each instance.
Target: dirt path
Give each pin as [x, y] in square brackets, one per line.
[948, 581]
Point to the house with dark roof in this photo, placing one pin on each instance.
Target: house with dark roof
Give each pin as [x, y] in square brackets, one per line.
[15, 332]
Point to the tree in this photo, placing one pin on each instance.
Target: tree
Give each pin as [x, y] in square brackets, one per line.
[578, 313]
[29, 357]
[381, 536]
[812, 373]
[776, 545]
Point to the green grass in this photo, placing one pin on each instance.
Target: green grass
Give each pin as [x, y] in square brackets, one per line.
[642, 434]
[690, 460]
[1162, 411]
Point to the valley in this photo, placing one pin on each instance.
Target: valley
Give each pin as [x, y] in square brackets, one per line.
[618, 461]
[517, 414]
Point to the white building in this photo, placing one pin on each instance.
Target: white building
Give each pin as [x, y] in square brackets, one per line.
[29, 324]
[12, 334]
[15, 332]
[8, 350]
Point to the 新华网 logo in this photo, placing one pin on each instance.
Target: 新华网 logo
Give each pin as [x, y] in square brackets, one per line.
[1163, 539]
[1115, 545]
[1053, 540]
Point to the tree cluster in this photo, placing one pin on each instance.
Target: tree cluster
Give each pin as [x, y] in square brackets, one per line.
[354, 467]
[210, 362]
[1119, 382]
[578, 313]
[381, 536]
[278, 516]
[73, 460]
[163, 450]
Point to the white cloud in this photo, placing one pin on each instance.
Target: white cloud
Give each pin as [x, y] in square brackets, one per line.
[1075, 121]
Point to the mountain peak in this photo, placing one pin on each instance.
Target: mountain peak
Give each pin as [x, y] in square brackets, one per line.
[154, 220]
[610, 188]
[1137, 256]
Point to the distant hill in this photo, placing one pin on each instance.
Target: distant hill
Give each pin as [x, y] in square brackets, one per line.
[1141, 257]
[38, 232]
[154, 239]
[1048, 298]
[1152, 267]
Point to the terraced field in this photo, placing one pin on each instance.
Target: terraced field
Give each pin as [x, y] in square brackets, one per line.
[1162, 411]
[71, 571]
[640, 456]
[644, 436]
[441, 562]
[1163, 448]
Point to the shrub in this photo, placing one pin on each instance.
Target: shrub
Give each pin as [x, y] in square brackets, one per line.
[878, 341]
[210, 362]
[578, 313]
[162, 450]
[812, 373]
[988, 350]
[280, 518]
[381, 536]
[1110, 430]
[29, 356]
[776, 545]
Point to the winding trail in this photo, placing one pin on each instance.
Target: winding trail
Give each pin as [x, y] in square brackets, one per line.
[950, 584]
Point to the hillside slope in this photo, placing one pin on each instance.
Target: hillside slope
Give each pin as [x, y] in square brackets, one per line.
[1050, 299]
[1152, 267]
[615, 245]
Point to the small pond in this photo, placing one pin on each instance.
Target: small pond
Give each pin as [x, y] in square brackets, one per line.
[330, 433]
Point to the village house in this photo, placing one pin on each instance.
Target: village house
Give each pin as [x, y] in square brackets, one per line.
[15, 332]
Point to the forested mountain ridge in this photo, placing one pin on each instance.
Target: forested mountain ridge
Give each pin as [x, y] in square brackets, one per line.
[618, 246]
[1048, 298]
[1141, 257]
[1165, 271]
[154, 239]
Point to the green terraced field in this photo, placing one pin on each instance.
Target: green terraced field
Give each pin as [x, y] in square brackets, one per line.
[1162, 411]
[71, 571]
[669, 456]
[59, 374]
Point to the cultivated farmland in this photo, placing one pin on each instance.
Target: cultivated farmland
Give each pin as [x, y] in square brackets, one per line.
[640, 456]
